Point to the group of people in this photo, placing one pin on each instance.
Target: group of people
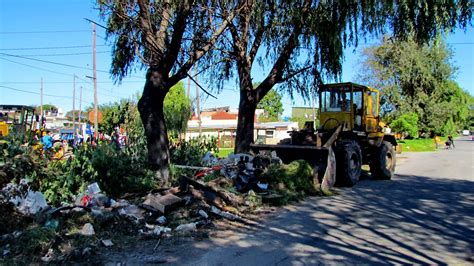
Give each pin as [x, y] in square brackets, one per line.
[47, 139]
[449, 143]
[117, 137]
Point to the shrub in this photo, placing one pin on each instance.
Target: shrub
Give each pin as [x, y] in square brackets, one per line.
[192, 151]
[121, 171]
[407, 124]
[294, 180]
[16, 160]
[61, 181]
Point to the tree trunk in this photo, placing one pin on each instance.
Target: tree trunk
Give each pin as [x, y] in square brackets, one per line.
[245, 123]
[150, 107]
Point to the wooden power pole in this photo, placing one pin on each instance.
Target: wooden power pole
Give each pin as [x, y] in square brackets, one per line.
[74, 102]
[80, 105]
[41, 103]
[94, 77]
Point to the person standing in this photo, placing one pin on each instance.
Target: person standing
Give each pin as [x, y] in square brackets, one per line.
[437, 140]
[450, 139]
[47, 141]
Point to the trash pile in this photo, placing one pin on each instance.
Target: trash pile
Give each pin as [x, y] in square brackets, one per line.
[239, 183]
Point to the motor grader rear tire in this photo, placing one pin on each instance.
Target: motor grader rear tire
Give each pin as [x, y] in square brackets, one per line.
[348, 163]
[383, 162]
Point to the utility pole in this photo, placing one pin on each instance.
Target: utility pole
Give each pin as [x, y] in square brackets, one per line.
[189, 87]
[41, 103]
[94, 77]
[80, 106]
[198, 107]
[74, 103]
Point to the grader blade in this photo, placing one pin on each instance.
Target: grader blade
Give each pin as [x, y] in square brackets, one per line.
[329, 178]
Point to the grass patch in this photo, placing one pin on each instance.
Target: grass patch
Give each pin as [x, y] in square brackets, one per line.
[224, 152]
[421, 145]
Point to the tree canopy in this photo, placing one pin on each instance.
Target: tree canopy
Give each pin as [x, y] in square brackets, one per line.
[299, 44]
[47, 108]
[168, 38]
[417, 78]
[177, 108]
[272, 106]
[167, 35]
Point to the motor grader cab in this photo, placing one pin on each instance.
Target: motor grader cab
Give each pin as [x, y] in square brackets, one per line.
[350, 135]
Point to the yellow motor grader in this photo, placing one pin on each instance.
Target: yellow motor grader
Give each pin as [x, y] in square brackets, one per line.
[350, 135]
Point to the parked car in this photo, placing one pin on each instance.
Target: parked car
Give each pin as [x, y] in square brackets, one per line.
[466, 132]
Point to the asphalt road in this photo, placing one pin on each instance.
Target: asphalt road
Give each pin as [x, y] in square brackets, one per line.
[424, 215]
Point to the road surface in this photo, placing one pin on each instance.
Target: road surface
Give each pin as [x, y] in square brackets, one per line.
[425, 215]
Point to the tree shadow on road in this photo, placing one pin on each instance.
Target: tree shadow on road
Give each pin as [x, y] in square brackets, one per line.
[408, 220]
[412, 219]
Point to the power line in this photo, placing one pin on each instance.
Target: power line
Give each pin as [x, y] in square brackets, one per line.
[63, 82]
[35, 67]
[59, 64]
[50, 62]
[66, 82]
[37, 93]
[41, 32]
[48, 48]
[85, 81]
[67, 54]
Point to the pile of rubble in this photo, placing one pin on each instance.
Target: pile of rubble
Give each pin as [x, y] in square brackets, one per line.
[238, 184]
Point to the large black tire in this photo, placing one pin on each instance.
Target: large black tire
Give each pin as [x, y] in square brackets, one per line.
[348, 163]
[383, 162]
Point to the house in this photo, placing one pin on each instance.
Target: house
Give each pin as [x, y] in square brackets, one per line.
[273, 132]
[222, 123]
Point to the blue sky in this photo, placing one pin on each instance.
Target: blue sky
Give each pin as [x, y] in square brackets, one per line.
[63, 30]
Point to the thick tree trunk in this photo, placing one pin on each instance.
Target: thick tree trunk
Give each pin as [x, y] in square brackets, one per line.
[150, 107]
[245, 123]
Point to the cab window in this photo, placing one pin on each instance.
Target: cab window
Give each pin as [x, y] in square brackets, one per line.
[336, 101]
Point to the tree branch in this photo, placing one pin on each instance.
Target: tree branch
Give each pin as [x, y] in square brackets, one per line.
[290, 76]
[165, 16]
[198, 53]
[179, 28]
[256, 42]
[276, 72]
[199, 85]
[262, 28]
[145, 23]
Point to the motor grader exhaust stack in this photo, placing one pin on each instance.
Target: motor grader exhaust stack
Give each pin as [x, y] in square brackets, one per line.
[351, 134]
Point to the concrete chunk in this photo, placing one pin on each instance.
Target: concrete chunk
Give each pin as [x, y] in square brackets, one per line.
[163, 204]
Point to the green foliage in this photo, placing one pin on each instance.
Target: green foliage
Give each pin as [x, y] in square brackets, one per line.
[61, 181]
[407, 124]
[117, 170]
[293, 180]
[15, 159]
[224, 152]
[190, 152]
[177, 109]
[272, 106]
[47, 108]
[417, 78]
[120, 172]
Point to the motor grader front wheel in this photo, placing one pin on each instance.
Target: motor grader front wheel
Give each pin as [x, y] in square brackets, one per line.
[348, 163]
[383, 162]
